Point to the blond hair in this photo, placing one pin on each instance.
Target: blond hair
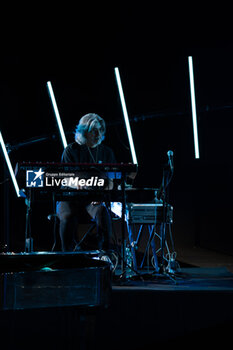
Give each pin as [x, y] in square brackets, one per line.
[86, 124]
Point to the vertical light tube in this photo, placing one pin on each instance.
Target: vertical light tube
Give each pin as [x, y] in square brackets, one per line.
[126, 117]
[56, 112]
[8, 162]
[193, 102]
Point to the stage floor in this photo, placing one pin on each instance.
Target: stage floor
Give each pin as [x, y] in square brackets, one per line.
[189, 255]
[185, 279]
[194, 307]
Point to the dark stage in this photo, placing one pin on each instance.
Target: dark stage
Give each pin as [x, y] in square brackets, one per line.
[61, 301]
[194, 308]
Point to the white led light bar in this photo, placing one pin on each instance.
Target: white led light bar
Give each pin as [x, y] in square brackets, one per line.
[8, 162]
[126, 117]
[193, 102]
[57, 115]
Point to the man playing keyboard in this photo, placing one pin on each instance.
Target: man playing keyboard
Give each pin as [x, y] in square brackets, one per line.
[87, 148]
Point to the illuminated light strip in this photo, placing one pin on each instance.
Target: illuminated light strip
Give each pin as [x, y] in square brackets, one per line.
[126, 117]
[8, 162]
[57, 115]
[193, 101]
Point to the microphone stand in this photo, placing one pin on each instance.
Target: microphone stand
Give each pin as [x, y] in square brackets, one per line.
[28, 142]
[6, 210]
[123, 241]
[28, 237]
[163, 194]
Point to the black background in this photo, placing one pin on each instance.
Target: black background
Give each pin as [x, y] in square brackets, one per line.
[77, 50]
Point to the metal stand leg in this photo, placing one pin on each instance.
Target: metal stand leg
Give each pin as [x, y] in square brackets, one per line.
[153, 247]
[28, 238]
[133, 244]
[132, 247]
[123, 241]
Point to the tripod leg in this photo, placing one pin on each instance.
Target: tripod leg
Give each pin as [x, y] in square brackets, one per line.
[151, 230]
[28, 237]
[131, 241]
[163, 241]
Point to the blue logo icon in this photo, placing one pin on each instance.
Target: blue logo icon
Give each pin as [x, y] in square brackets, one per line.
[35, 178]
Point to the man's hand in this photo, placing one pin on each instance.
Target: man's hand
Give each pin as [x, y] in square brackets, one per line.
[95, 203]
[132, 175]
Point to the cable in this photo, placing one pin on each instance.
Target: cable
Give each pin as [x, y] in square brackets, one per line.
[125, 262]
[84, 236]
[171, 238]
[4, 181]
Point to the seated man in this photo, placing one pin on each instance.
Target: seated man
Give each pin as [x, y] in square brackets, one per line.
[87, 148]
